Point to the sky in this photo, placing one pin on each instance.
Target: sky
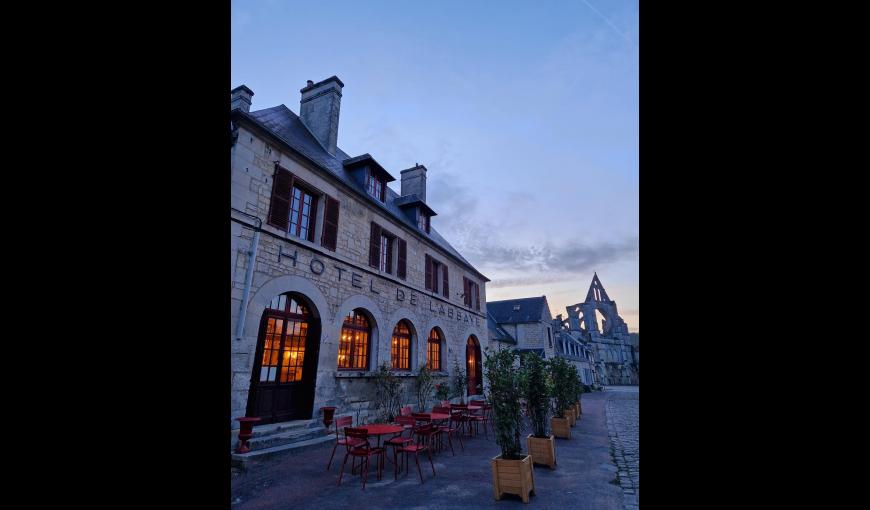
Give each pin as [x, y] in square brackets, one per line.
[525, 114]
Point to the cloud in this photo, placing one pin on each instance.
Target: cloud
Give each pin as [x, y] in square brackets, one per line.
[569, 257]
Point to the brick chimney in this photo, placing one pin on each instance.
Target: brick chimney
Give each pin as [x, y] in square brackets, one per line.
[414, 181]
[240, 98]
[319, 108]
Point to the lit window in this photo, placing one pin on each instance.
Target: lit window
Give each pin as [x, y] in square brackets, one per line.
[284, 340]
[433, 360]
[400, 348]
[353, 346]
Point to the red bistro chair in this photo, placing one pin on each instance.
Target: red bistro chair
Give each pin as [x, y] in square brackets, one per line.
[364, 451]
[340, 424]
[400, 440]
[445, 403]
[459, 414]
[426, 432]
[448, 429]
[406, 411]
[480, 418]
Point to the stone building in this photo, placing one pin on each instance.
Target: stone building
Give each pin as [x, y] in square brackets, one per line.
[333, 272]
[615, 353]
[527, 322]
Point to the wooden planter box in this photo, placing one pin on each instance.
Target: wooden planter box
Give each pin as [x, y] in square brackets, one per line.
[572, 415]
[561, 427]
[579, 409]
[542, 450]
[513, 477]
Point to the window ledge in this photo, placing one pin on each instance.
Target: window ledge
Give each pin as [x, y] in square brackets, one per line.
[352, 374]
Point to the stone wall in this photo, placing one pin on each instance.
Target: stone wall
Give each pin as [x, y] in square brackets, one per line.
[336, 282]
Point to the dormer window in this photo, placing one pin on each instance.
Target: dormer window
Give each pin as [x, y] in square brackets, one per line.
[375, 185]
[423, 221]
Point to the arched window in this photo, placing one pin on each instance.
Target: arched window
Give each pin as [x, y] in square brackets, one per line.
[433, 358]
[284, 342]
[353, 347]
[401, 347]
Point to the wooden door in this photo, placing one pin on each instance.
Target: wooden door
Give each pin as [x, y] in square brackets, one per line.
[285, 371]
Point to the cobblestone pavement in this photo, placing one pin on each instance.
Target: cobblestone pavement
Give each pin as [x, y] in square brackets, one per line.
[622, 426]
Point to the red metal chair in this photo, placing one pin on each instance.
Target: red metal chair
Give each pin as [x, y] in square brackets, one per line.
[406, 411]
[340, 424]
[400, 440]
[480, 417]
[448, 429]
[445, 403]
[459, 414]
[426, 432]
[363, 451]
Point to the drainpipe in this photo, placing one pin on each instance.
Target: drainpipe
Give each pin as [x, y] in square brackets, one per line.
[249, 274]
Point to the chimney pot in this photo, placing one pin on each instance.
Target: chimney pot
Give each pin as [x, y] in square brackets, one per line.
[414, 181]
[319, 109]
[240, 98]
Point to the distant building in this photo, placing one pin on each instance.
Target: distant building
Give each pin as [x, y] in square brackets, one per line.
[616, 355]
[527, 324]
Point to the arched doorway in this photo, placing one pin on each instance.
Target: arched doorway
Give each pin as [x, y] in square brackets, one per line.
[472, 366]
[285, 366]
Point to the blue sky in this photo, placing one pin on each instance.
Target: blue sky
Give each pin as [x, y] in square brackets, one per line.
[525, 114]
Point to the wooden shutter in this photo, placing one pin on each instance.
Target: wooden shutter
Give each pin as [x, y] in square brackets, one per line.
[330, 223]
[428, 272]
[477, 296]
[401, 260]
[279, 205]
[375, 246]
[446, 290]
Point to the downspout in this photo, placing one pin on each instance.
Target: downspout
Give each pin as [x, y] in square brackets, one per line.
[249, 274]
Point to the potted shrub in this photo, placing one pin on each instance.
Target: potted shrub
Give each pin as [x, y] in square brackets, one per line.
[537, 389]
[388, 402]
[512, 471]
[560, 374]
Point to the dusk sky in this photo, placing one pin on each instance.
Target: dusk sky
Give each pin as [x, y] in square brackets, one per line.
[524, 113]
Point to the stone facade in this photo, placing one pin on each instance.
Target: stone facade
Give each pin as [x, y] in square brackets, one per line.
[334, 283]
[615, 351]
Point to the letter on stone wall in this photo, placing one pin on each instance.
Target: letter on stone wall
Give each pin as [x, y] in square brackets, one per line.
[400, 296]
[355, 280]
[318, 264]
[339, 272]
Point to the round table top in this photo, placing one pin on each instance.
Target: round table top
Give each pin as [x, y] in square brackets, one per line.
[378, 429]
[439, 416]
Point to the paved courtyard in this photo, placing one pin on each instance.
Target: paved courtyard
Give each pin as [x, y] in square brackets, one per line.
[622, 425]
[585, 478]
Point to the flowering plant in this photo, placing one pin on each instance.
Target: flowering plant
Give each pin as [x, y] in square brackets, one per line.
[441, 391]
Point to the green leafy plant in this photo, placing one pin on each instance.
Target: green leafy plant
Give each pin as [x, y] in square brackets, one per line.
[442, 391]
[387, 393]
[423, 387]
[503, 378]
[458, 382]
[563, 385]
[537, 389]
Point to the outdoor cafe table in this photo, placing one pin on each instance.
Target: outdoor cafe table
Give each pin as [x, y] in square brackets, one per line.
[379, 429]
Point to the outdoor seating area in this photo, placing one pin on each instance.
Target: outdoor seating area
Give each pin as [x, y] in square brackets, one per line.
[410, 434]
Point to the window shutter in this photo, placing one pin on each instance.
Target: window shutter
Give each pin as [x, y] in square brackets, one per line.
[330, 223]
[466, 292]
[375, 246]
[279, 205]
[446, 289]
[428, 272]
[477, 296]
[401, 262]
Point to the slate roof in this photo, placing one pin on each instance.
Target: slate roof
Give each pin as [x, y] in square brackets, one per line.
[497, 332]
[286, 125]
[504, 313]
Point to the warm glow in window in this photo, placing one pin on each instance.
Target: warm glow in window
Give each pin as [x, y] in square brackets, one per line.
[433, 358]
[353, 345]
[400, 347]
